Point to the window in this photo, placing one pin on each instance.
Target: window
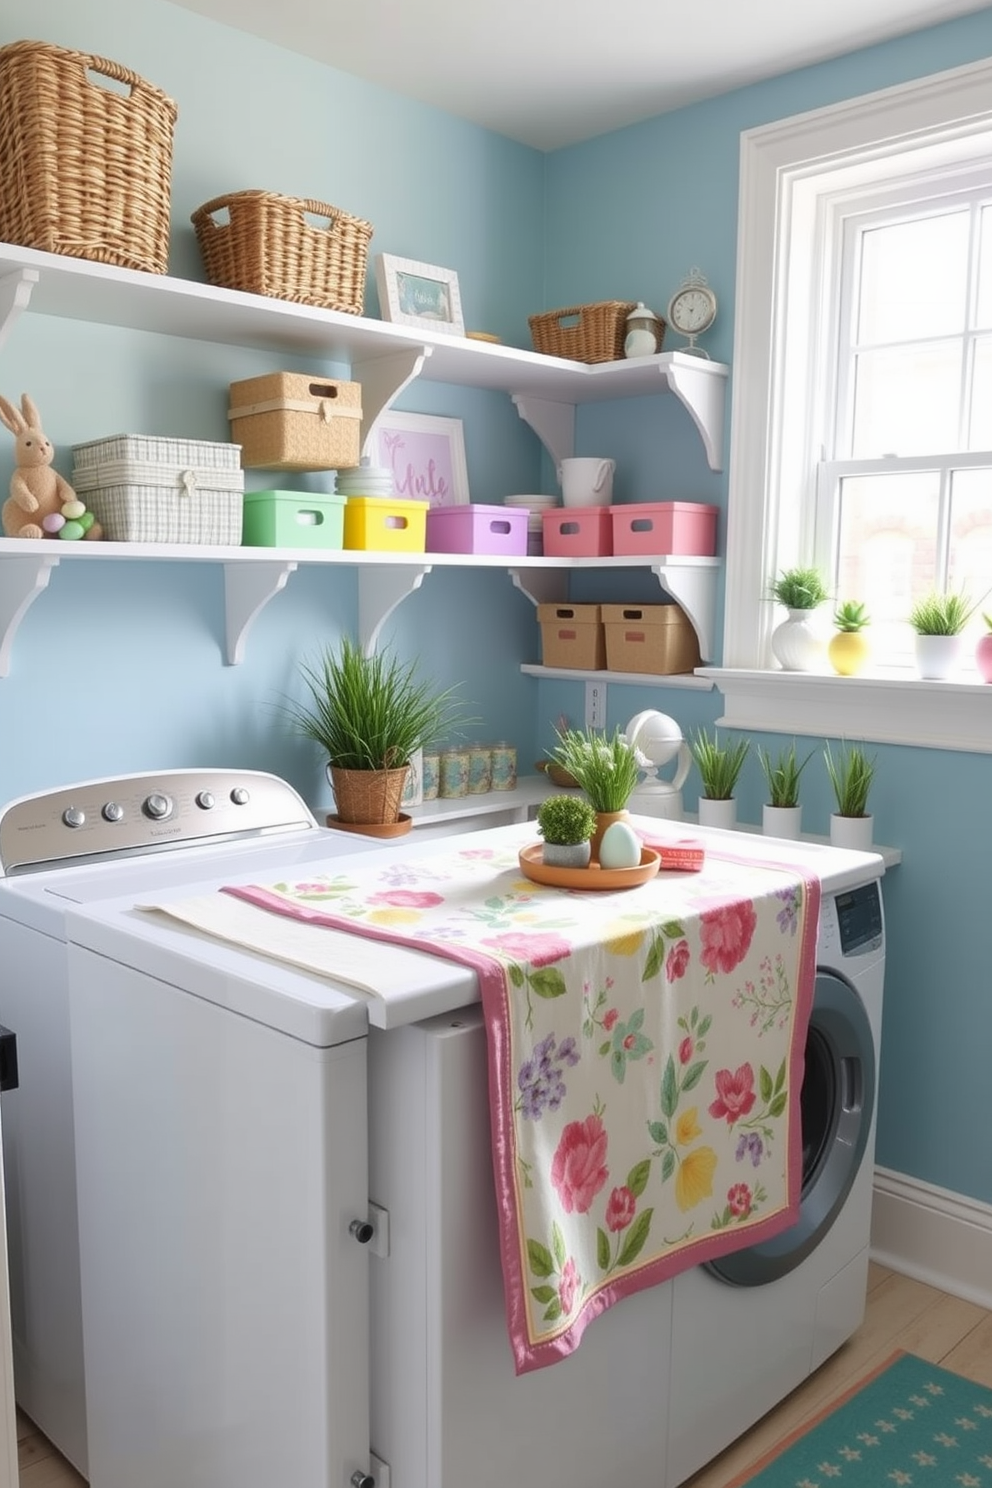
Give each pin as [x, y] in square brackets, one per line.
[836, 456]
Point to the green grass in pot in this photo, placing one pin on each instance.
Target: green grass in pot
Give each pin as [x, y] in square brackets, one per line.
[606, 769]
[566, 821]
[851, 775]
[719, 765]
[937, 614]
[799, 588]
[782, 772]
[370, 712]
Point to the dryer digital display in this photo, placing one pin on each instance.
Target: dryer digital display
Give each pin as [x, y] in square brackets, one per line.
[859, 917]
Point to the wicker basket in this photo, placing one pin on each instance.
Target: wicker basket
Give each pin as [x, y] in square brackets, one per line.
[594, 333]
[84, 170]
[268, 246]
[370, 796]
[295, 421]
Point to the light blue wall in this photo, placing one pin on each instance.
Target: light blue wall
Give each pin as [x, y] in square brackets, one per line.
[119, 668]
[627, 215]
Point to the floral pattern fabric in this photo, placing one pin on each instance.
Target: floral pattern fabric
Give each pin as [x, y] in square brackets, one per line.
[645, 1060]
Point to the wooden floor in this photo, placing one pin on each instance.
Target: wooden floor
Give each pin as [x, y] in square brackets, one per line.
[901, 1314]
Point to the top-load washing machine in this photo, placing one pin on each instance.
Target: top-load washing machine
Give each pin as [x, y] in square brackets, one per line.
[288, 1246]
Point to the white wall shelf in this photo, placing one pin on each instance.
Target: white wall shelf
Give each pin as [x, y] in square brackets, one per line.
[383, 357]
[254, 576]
[686, 680]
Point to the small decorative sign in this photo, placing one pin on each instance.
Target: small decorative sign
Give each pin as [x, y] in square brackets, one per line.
[418, 294]
[426, 455]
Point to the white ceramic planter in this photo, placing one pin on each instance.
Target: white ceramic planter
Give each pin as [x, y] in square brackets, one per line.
[938, 656]
[855, 832]
[782, 821]
[797, 644]
[713, 813]
[567, 854]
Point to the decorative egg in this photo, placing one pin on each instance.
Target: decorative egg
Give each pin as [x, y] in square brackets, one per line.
[53, 522]
[620, 847]
[72, 510]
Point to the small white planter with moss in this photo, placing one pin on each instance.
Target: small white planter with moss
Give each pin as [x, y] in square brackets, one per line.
[566, 823]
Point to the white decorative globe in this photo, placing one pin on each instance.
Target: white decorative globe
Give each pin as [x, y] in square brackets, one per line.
[654, 736]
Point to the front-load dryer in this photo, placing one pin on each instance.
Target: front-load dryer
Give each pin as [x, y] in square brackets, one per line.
[750, 1328]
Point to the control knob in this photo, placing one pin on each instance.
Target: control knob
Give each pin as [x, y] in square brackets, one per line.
[157, 806]
[73, 817]
[113, 812]
[240, 796]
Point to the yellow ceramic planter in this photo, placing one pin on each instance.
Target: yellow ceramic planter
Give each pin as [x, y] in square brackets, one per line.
[848, 652]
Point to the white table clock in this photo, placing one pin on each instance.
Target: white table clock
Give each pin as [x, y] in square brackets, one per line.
[692, 310]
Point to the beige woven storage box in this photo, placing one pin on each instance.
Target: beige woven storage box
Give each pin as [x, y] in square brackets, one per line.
[583, 333]
[295, 421]
[572, 636]
[287, 247]
[143, 488]
[84, 170]
[650, 638]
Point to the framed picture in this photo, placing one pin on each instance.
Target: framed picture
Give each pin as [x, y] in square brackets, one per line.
[426, 455]
[418, 294]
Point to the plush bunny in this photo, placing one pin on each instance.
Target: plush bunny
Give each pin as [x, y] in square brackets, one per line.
[37, 492]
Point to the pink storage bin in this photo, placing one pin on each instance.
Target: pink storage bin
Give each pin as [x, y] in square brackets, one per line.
[500, 530]
[578, 532]
[685, 527]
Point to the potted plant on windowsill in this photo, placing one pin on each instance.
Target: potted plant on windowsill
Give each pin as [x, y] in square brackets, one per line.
[719, 767]
[566, 823]
[606, 770]
[782, 813]
[851, 774]
[848, 650]
[939, 621]
[369, 714]
[796, 643]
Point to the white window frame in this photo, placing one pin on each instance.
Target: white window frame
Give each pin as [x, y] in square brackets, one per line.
[790, 173]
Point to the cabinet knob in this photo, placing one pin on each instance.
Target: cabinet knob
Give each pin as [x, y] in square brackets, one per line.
[361, 1479]
[363, 1232]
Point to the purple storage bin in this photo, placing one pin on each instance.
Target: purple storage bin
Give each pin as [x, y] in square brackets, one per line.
[499, 530]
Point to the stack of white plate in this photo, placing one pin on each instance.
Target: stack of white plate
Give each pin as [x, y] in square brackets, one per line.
[365, 480]
[536, 505]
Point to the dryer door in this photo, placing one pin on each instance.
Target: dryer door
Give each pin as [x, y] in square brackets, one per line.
[837, 1102]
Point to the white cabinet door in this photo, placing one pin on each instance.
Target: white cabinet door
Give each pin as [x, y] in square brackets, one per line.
[8, 1423]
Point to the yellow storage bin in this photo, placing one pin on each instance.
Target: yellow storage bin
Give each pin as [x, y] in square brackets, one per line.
[385, 524]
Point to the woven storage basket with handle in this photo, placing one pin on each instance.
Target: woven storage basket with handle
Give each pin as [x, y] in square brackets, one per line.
[583, 333]
[269, 245]
[84, 170]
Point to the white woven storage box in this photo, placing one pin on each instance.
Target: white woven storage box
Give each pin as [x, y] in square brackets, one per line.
[145, 488]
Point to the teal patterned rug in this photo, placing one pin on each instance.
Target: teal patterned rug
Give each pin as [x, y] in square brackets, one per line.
[912, 1425]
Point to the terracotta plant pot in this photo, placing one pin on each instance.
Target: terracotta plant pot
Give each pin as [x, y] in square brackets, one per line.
[368, 795]
[605, 819]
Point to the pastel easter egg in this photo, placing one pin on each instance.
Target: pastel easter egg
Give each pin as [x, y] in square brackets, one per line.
[620, 847]
[72, 509]
[53, 521]
[71, 532]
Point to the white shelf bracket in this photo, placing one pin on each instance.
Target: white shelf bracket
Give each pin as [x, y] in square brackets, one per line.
[553, 423]
[15, 296]
[21, 581]
[541, 585]
[383, 379]
[380, 590]
[248, 587]
[695, 591]
[703, 394]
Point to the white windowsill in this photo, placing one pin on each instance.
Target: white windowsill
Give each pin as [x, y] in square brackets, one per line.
[883, 710]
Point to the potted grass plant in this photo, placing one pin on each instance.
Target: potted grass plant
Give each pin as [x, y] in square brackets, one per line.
[369, 714]
[782, 812]
[566, 823]
[719, 765]
[848, 649]
[605, 769]
[851, 773]
[939, 620]
[797, 645]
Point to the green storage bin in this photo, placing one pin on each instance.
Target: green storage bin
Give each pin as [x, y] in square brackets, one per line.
[292, 519]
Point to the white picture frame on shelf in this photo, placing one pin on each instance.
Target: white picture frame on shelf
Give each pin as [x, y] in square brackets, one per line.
[418, 294]
[426, 454]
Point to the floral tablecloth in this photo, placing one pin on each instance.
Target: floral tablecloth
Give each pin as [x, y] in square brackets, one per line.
[646, 1054]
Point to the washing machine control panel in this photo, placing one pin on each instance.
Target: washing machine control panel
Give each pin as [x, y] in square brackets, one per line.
[851, 922]
[135, 814]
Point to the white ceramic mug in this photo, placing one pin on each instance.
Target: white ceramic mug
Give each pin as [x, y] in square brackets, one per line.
[586, 481]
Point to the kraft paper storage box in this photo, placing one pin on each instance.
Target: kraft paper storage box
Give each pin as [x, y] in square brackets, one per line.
[649, 638]
[146, 488]
[572, 636]
[684, 527]
[292, 519]
[578, 532]
[385, 524]
[477, 529]
[296, 421]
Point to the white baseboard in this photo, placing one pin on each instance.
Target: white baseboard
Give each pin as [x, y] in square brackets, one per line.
[933, 1235]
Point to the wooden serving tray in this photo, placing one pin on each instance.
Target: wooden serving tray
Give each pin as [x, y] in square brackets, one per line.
[533, 866]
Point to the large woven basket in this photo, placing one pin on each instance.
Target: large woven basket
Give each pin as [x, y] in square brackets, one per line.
[84, 170]
[370, 796]
[270, 245]
[583, 333]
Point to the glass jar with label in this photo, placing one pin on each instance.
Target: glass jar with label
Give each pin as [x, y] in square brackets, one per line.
[431, 776]
[453, 772]
[504, 766]
[480, 769]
